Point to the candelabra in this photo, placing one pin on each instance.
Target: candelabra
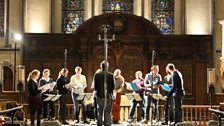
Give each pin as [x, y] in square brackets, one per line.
[105, 29]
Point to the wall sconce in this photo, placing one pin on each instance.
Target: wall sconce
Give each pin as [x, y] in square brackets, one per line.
[21, 78]
[211, 76]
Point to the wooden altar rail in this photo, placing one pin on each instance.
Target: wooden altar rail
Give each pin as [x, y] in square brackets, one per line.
[197, 114]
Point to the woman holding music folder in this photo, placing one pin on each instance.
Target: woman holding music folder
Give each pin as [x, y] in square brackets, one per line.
[34, 98]
[139, 81]
[78, 84]
[44, 81]
[62, 90]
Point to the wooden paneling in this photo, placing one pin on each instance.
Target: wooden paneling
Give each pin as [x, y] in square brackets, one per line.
[130, 52]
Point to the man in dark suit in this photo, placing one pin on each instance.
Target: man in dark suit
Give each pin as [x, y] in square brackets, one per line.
[99, 87]
[177, 91]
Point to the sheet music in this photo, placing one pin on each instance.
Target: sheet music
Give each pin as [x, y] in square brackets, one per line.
[68, 86]
[158, 96]
[81, 96]
[137, 97]
[130, 97]
[166, 87]
[88, 96]
[46, 87]
[55, 97]
[132, 86]
[128, 85]
[51, 97]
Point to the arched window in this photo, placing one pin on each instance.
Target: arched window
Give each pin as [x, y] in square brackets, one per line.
[125, 6]
[72, 15]
[2, 15]
[163, 15]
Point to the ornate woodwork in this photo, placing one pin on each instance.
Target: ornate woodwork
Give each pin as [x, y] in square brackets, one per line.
[131, 51]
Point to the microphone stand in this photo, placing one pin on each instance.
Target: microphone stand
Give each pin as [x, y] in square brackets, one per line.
[105, 28]
[65, 63]
[151, 104]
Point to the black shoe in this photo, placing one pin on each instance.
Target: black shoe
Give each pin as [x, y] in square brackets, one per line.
[116, 122]
[85, 122]
[164, 123]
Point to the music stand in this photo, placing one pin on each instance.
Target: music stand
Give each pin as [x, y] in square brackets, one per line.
[219, 115]
[136, 97]
[12, 112]
[52, 97]
[158, 97]
[84, 96]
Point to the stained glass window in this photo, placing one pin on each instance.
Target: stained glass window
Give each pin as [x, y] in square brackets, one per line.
[72, 15]
[125, 6]
[2, 15]
[163, 15]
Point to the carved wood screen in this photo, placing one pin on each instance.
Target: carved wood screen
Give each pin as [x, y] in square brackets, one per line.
[99, 57]
[130, 62]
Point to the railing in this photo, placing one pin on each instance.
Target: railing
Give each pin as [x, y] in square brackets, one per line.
[197, 114]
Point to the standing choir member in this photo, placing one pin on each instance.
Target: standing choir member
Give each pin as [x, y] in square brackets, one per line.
[168, 107]
[78, 84]
[44, 81]
[34, 98]
[140, 84]
[62, 90]
[151, 82]
[119, 87]
[100, 94]
[94, 100]
[177, 91]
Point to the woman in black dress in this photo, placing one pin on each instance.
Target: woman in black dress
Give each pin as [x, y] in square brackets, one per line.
[62, 90]
[34, 98]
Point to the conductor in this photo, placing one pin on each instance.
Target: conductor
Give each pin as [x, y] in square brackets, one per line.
[99, 89]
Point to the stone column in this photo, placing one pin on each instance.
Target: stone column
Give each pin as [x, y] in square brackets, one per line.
[222, 57]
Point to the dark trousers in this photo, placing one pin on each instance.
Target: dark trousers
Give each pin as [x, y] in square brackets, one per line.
[104, 110]
[45, 108]
[77, 108]
[133, 108]
[62, 106]
[177, 107]
[149, 99]
[95, 108]
[35, 105]
[168, 109]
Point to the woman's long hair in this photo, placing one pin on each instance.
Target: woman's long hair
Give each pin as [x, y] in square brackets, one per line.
[62, 72]
[33, 73]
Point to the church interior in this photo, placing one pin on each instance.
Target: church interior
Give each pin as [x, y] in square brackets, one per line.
[52, 34]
